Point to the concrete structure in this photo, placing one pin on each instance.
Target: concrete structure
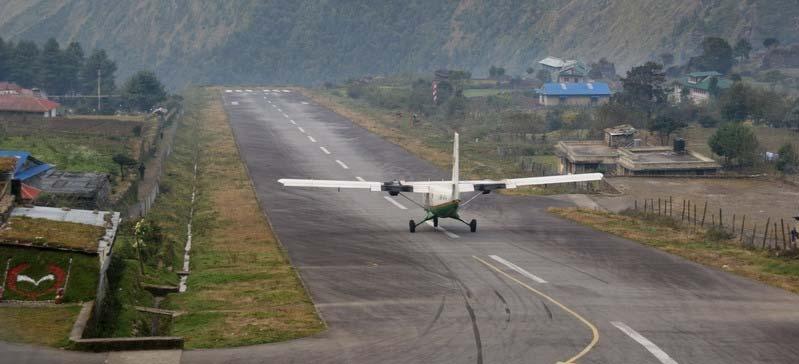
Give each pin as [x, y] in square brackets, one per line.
[621, 154]
[653, 161]
[698, 86]
[555, 63]
[574, 94]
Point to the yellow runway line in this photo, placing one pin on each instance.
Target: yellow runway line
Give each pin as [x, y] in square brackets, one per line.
[594, 331]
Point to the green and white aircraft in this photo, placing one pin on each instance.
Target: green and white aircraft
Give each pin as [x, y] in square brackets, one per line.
[442, 198]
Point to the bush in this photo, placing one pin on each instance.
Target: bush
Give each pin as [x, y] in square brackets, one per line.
[708, 121]
[716, 234]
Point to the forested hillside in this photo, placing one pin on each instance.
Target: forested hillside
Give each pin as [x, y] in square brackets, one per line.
[306, 41]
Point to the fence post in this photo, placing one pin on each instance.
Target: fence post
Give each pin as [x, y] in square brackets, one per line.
[754, 232]
[765, 234]
[658, 205]
[712, 220]
[703, 219]
[743, 222]
[776, 244]
[645, 210]
[721, 220]
[704, 212]
[732, 227]
[782, 229]
[682, 215]
[636, 205]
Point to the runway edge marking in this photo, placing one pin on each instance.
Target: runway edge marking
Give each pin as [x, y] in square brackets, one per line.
[451, 235]
[395, 203]
[648, 345]
[594, 330]
[518, 269]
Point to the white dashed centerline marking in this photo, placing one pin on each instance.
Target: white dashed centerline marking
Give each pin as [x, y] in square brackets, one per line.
[648, 345]
[325, 150]
[228, 91]
[395, 203]
[517, 269]
[360, 179]
[301, 129]
[234, 102]
[293, 122]
[304, 103]
[445, 231]
[238, 90]
[248, 90]
[311, 139]
[278, 109]
[285, 116]
[342, 164]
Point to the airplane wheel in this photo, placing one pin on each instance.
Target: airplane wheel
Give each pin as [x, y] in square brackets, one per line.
[473, 225]
[435, 221]
[412, 226]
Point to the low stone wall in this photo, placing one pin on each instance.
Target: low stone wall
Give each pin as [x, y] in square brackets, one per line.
[116, 344]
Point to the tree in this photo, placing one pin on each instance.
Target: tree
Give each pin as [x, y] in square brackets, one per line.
[788, 159]
[713, 87]
[664, 125]
[736, 105]
[143, 90]
[123, 161]
[735, 142]
[50, 61]
[642, 89]
[72, 62]
[530, 70]
[742, 49]
[4, 54]
[770, 42]
[24, 64]
[716, 56]
[791, 119]
[98, 60]
[492, 72]
[544, 76]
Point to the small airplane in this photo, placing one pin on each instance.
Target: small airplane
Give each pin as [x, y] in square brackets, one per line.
[442, 198]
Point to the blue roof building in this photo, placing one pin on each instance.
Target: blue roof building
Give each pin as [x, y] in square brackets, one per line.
[27, 167]
[574, 94]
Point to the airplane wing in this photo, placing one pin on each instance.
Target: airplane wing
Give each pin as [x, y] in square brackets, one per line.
[372, 186]
[425, 186]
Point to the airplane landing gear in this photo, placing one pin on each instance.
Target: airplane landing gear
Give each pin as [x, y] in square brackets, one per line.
[412, 226]
[473, 225]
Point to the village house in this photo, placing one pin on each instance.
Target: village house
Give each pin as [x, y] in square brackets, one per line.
[698, 86]
[574, 73]
[16, 105]
[574, 94]
[41, 183]
[621, 154]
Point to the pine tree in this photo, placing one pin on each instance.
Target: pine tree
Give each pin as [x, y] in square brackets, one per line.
[98, 60]
[72, 64]
[24, 62]
[51, 68]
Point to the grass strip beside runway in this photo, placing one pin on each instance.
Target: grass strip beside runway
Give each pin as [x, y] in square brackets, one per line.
[241, 290]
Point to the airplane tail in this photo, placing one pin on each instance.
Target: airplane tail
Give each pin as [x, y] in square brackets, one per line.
[455, 169]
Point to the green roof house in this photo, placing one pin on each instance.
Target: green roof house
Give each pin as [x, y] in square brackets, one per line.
[699, 86]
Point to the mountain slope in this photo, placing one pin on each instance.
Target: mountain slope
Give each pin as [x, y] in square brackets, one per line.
[303, 41]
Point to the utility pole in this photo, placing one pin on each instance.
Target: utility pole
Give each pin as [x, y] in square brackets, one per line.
[99, 77]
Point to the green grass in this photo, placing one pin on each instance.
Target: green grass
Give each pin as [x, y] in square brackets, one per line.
[73, 153]
[49, 326]
[82, 282]
[241, 289]
[41, 232]
[479, 92]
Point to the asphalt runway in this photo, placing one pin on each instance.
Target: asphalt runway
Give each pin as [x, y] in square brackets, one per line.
[527, 287]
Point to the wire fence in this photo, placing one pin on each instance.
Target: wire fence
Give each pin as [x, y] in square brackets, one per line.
[778, 234]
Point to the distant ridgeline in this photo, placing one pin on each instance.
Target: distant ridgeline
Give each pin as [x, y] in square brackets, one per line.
[309, 41]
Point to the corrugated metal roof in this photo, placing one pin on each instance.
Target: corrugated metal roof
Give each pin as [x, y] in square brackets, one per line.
[576, 89]
[20, 172]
